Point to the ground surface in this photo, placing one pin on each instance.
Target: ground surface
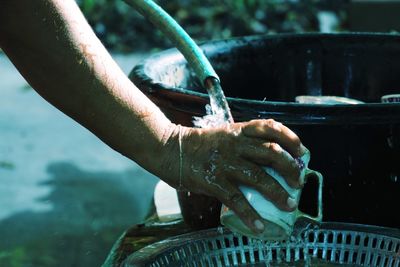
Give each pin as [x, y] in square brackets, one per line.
[65, 196]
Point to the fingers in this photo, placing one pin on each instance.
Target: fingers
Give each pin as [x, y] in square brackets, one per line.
[276, 132]
[252, 175]
[234, 199]
[272, 155]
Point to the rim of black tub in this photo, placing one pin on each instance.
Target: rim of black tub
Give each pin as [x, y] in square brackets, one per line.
[192, 100]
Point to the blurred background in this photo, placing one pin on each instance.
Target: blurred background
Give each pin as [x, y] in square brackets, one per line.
[124, 30]
[65, 197]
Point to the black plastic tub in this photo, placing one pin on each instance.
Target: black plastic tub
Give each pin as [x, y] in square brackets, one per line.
[355, 147]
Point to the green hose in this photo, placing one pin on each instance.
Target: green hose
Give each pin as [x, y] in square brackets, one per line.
[177, 35]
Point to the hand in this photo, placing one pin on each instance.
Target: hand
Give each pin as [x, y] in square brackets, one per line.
[216, 161]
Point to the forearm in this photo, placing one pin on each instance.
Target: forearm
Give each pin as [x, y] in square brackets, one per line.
[57, 52]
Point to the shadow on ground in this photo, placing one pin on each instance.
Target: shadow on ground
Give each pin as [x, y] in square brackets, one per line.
[90, 211]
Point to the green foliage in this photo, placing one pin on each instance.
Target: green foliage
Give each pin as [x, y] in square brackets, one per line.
[87, 5]
[14, 258]
[122, 28]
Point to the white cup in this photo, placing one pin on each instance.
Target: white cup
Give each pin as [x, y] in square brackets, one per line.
[278, 223]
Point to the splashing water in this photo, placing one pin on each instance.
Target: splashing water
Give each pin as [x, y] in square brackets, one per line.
[218, 102]
[212, 119]
[218, 112]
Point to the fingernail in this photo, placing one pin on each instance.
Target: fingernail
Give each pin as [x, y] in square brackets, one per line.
[291, 202]
[259, 225]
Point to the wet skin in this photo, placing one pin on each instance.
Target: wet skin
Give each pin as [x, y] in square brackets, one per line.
[54, 48]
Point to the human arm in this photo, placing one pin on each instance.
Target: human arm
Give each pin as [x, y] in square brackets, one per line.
[55, 49]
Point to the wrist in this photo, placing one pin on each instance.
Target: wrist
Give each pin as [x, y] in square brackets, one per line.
[175, 158]
[169, 155]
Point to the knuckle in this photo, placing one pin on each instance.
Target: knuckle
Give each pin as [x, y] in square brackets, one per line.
[251, 124]
[267, 145]
[274, 125]
[276, 148]
[273, 147]
[270, 123]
